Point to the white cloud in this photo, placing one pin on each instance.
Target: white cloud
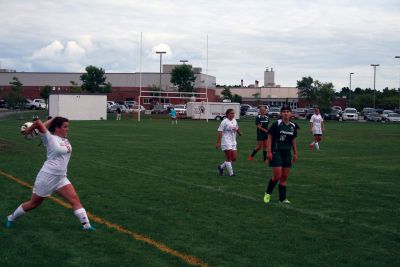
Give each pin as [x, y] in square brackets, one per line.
[321, 38]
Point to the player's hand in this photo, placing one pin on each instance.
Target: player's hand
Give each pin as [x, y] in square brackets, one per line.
[294, 159]
[269, 155]
[217, 145]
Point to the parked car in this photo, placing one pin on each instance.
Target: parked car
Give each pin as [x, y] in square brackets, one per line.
[374, 116]
[180, 109]
[274, 112]
[301, 112]
[365, 112]
[350, 114]
[159, 109]
[39, 104]
[338, 108]
[252, 112]
[136, 108]
[113, 108]
[129, 103]
[379, 110]
[393, 117]
[3, 103]
[295, 115]
[334, 114]
[385, 113]
[244, 108]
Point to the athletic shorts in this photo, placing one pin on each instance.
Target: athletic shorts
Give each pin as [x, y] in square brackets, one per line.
[317, 132]
[281, 158]
[228, 147]
[47, 183]
[262, 136]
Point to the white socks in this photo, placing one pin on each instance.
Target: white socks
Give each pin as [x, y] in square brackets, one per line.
[316, 145]
[223, 165]
[229, 167]
[16, 214]
[82, 216]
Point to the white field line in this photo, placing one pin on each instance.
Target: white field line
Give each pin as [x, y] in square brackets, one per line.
[258, 200]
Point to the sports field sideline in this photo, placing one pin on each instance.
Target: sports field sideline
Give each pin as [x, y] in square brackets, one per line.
[160, 181]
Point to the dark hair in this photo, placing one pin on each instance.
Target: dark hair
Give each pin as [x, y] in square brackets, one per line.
[229, 111]
[57, 122]
[286, 108]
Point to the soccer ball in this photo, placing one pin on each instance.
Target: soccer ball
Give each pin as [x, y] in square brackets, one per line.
[25, 126]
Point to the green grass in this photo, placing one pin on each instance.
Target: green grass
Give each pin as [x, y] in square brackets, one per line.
[160, 180]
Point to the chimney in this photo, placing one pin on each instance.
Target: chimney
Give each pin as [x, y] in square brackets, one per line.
[256, 83]
[241, 83]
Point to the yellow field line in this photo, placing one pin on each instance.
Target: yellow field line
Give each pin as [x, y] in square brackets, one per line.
[160, 246]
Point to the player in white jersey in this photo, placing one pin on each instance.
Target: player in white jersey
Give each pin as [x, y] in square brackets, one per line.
[226, 141]
[53, 175]
[316, 128]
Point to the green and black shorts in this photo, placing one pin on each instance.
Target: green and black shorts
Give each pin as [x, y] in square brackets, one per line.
[281, 158]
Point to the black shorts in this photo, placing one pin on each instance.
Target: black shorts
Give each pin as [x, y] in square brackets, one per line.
[281, 158]
[262, 136]
[317, 134]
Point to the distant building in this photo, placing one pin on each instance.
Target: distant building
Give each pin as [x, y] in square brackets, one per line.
[125, 86]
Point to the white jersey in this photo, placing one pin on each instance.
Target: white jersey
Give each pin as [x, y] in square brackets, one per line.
[228, 129]
[58, 154]
[317, 120]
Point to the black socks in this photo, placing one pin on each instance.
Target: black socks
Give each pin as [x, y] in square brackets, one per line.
[271, 186]
[282, 192]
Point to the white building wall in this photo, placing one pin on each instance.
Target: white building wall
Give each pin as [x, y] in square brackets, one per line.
[78, 106]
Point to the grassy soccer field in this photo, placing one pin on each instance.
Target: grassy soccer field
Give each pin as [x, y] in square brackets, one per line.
[160, 181]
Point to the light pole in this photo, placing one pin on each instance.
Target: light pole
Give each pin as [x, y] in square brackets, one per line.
[161, 53]
[374, 65]
[183, 61]
[351, 73]
[399, 83]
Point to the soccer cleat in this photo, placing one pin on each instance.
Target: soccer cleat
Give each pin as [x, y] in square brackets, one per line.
[267, 198]
[286, 201]
[90, 228]
[221, 170]
[232, 175]
[8, 223]
[250, 158]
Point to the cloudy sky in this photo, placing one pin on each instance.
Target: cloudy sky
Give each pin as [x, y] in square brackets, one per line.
[323, 39]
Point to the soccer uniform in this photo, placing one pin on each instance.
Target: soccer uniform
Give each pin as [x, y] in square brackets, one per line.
[264, 121]
[281, 146]
[53, 174]
[317, 120]
[228, 129]
[173, 113]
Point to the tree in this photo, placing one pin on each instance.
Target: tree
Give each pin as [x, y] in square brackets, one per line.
[227, 94]
[307, 89]
[94, 80]
[183, 77]
[45, 93]
[326, 95]
[257, 96]
[15, 97]
[237, 98]
[75, 88]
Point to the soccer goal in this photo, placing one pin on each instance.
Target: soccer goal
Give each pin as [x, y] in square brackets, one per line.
[162, 101]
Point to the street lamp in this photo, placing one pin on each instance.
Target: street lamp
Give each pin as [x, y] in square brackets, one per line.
[374, 65]
[399, 83]
[161, 53]
[351, 73]
[183, 61]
